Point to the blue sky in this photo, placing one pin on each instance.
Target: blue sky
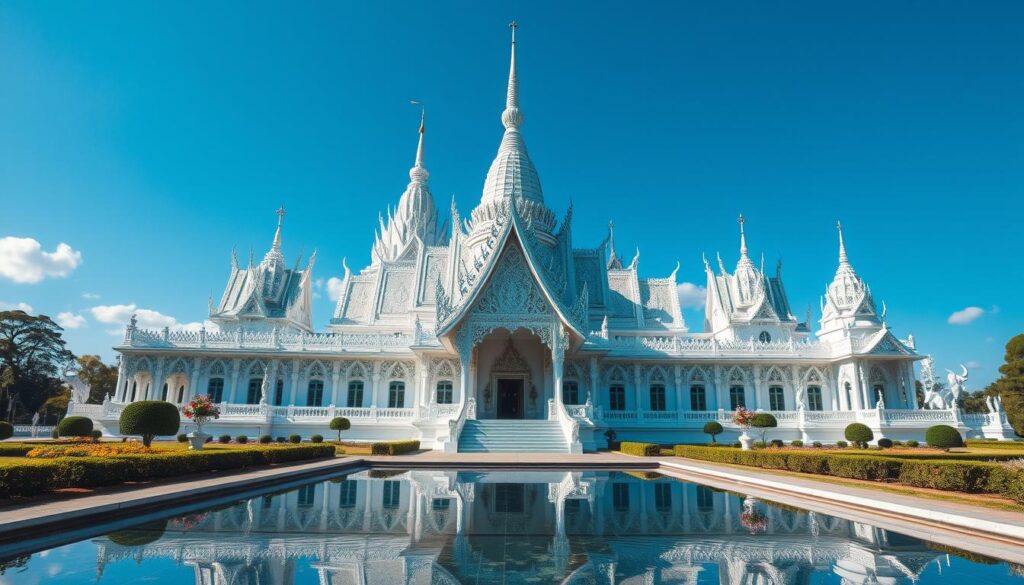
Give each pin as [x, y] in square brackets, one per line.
[151, 138]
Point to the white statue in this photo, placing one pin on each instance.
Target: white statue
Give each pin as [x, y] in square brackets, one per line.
[957, 383]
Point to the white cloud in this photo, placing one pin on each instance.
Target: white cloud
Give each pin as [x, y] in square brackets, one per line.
[16, 307]
[210, 326]
[965, 315]
[318, 285]
[692, 296]
[334, 288]
[24, 261]
[69, 320]
[90, 296]
[973, 365]
[147, 319]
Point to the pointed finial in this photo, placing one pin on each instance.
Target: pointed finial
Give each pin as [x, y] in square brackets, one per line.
[743, 236]
[511, 117]
[277, 234]
[842, 245]
[418, 173]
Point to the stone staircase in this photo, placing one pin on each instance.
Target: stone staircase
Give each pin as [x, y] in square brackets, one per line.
[512, 436]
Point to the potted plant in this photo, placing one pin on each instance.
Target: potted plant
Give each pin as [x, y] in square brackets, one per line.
[751, 518]
[745, 418]
[200, 411]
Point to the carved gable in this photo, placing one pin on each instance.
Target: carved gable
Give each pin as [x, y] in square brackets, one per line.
[512, 289]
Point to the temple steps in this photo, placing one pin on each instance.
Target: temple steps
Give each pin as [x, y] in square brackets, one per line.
[512, 436]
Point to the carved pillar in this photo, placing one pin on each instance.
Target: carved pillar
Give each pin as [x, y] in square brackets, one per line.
[637, 383]
[335, 383]
[593, 389]
[422, 381]
[866, 399]
[800, 404]
[120, 389]
[757, 389]
[720, 391]
[294, 391]
[857, 390]
[157, 385]
[194, 379]
[231, 395]
[557, 363]
[375, 373]
[464, 344]
[677, 370]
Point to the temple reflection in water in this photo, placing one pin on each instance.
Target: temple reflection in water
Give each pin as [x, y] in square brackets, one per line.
[516, 527]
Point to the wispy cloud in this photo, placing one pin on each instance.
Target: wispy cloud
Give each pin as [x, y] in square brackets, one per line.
[69, 320]
[692, 296]
[16, 307]
[90, 296]
[965, 316]
[973, 365]
[334, 288]
[24, 261]
[147, 319]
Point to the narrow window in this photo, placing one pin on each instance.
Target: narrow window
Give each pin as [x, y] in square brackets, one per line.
[663, 497]
[315, 393]
[181, 394]
[620, 496]
[444, 392]
[307, 495]
[279, 393]
[737, 397]
[347, 494]
[253, 396]
[396, 395]
[392, 494]
[135, 386]
[440, 504]
[698, 400]
[215, 388]
[570, 392]
[814, 398]
[776, 398]
[705, 499]
[617, 397]
[355, 394]
[658, 397]
[163, 393]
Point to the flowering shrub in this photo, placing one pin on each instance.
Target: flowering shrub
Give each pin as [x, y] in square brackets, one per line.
[187, 522]
[88, 450]
[744, 417]
[754, 521]
[200, 410]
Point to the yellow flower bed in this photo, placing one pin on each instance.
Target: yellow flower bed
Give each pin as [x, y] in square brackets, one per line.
[88, 450]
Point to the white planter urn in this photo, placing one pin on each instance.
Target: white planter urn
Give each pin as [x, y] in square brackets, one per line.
[196, 440]
[746, 441]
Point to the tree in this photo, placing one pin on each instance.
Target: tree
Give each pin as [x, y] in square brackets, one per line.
[101, 378]
[32, 358]
[713, 428]
[340, 423]
[764, 421]
[150, 418]
[859, 434]
[1011, 384]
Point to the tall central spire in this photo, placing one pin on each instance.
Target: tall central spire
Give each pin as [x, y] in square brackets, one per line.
[743, 237]
[512, 174]
[418, 173]
[842, 245]
[276, 247]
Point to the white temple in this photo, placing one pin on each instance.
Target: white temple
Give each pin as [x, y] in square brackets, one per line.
[496, 333]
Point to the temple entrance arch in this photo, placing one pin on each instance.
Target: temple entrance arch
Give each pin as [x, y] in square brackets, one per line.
[513, 375]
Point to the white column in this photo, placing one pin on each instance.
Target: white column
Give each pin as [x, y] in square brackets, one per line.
[758, 398]
[374, 378]
[557, 364]
[797, 383]
[335, 384]
[637, 383]
[236, 374]
[294, 391]
[678, 379]
[119, 389]
[594, 390]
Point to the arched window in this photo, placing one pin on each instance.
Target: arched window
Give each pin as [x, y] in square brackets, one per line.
[765, 337]
[698, 399]
[776, 398]
[279, 393]
[355, 394]
[135, 386]
[255, 390]
[214, 388]
[658, 397]
[396, 395]
[163, 392]
[617, 397]
[315, 393]
[570, 392]
[737, 397]
[444, 392]
[849, 394]
[814, 398]
[181, 393]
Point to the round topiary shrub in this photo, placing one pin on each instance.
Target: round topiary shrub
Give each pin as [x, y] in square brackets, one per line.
[224, 438]
[797, 443]
[182, 438]
[54, 434]
[842, 444]
[859, 434]
[943, 437]
[294, 439]
[75, 426]
[266, 439]
[816, 444]
[764, 421]
[317, 438]
[777, 443]
[713, 428]
[150, 418]
[280, 439]
[242, 439]
[340, 423]
[6, 430]
[897, 443]
[96, 434]
[884, 443]
[139, 535]
[912, 443]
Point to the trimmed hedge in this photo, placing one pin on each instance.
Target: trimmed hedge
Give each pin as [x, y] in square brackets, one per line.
[295, 439]
[641, 449]
[33, 476]
[74, 426]
[943, 437]
[16, 449]
[149, 419]
[859, 434]
[963, 476]
[317, 439]
[995, 444]
[392, 447]
[6, 430]
[884, 443]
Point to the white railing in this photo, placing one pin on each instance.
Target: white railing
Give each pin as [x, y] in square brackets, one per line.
[932, 416]
[710, 347]
[440, 412]
[300, 342]
[829, 416]
[569, 425]
[455, 425]
[33, 431]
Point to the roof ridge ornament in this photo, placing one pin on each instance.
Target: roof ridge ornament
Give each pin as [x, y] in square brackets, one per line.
[743, 237]
[418, 173]
[511, 118]
[277, 234]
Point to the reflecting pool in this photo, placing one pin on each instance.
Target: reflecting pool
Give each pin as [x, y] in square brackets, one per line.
[440, 527]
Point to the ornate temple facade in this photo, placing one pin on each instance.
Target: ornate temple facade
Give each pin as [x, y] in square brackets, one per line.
[496, 331]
